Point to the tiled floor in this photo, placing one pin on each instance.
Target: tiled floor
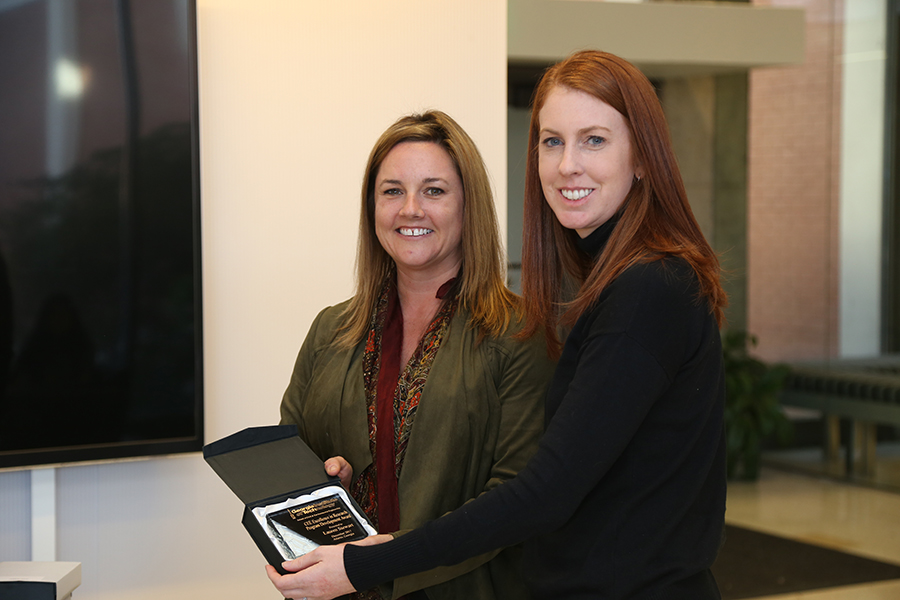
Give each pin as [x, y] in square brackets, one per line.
[852, 518]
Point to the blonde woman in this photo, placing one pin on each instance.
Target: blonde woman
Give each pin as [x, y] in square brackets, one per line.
[417, 386]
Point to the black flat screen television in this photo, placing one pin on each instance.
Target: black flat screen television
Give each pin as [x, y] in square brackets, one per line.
[100, 320]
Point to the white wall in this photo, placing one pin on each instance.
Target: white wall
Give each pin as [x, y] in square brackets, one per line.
[293, 95]
[862, 168]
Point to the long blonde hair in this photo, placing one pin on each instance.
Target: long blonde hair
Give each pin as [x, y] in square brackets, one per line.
[481, 285]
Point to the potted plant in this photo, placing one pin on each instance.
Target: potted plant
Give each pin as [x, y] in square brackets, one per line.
[752, 411]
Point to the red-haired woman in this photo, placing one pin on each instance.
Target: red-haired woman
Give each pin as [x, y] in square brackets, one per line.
[626, 495]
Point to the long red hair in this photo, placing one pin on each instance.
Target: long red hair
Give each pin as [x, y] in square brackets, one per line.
[655, 219]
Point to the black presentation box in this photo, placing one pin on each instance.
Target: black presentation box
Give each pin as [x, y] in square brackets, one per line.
[266, 466]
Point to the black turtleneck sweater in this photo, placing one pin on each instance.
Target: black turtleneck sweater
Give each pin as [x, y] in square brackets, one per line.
[625, 497]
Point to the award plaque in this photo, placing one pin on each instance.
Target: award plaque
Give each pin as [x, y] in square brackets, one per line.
[300, 525]
[325, 521]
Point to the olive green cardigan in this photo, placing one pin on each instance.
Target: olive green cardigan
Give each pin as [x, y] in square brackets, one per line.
[478, 421]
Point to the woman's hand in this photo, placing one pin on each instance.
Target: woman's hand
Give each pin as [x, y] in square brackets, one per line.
[337, 466]
[320, 574]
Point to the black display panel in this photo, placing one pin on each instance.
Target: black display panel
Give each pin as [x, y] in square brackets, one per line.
[100, 320]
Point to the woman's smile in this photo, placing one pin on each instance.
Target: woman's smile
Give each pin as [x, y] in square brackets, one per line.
[417, 232]
[576, 194]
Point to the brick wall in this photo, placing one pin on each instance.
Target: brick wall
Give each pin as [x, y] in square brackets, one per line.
[794, 125]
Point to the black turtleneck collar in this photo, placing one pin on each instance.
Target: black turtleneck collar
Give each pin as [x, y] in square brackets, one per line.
[596, 240]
